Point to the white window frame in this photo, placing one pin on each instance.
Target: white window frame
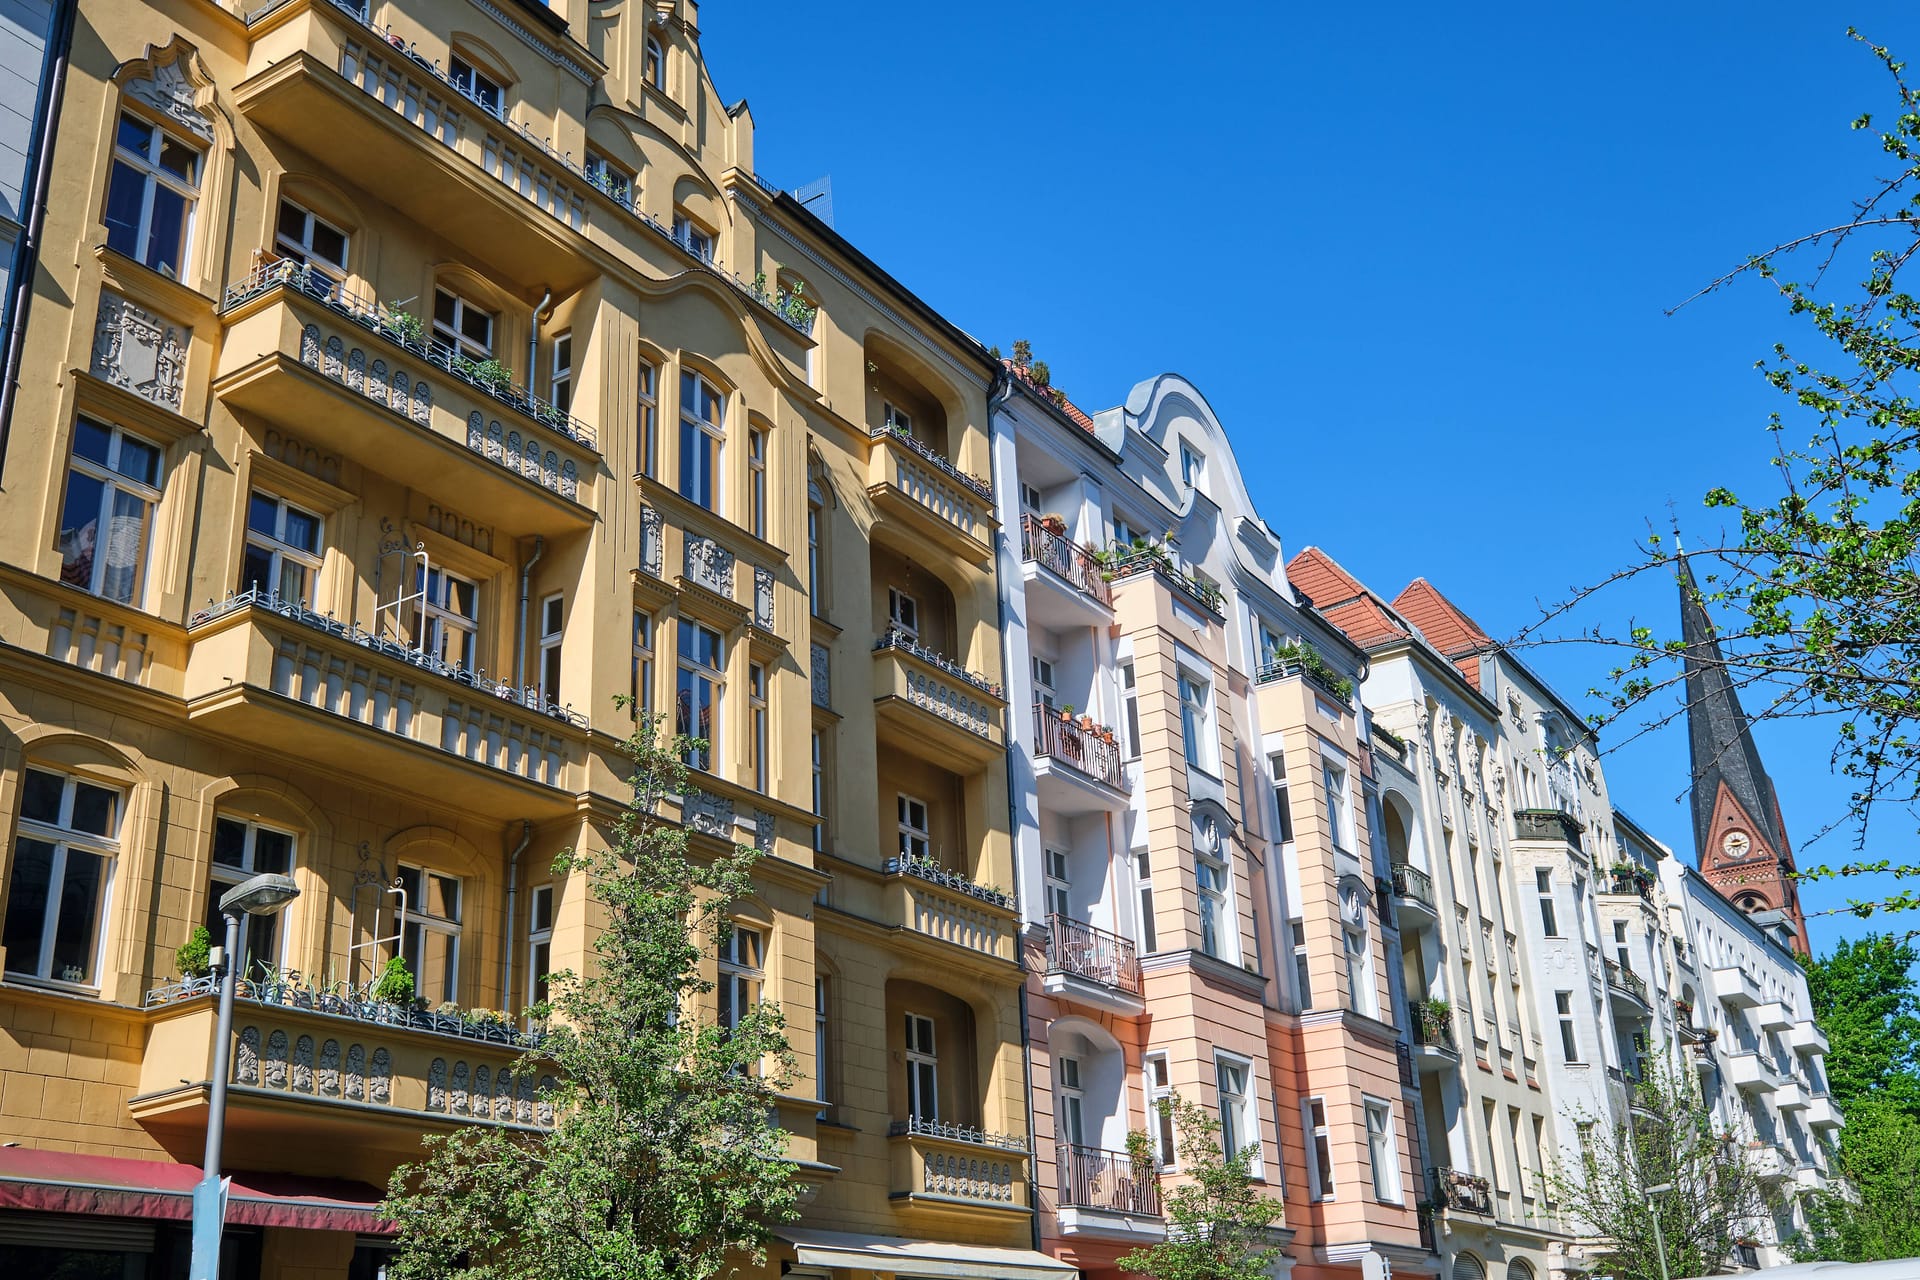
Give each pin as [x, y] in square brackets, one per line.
[1319, 1139]
[1213, 888]
[757, 740]
[560, 372]
[476, 86]
[1549, 916]
[757, 481]
[1193, 467]
[113, 481]
[1059, 888]
[1282, 795]
[742, 973]
[222, 876]
[653, 67]
[1239, 1110]
[916, 837]
[279, 551]
[895, 419]
[693, 237]
[822, 1043]
[1043, 677]
[903, 613]
[152, 174]
[540, 900]
[1333, 776]
[611, 178]
[1130, 709]
[647, 409]
[1569, 1031]
[1200, 739]
[819, 792]
[440, 622]
[923, 1069]
[695, 673]
[1157, 1085]
[1383, 1151]
[1071, 1102]
[1302, 964]
[641, 693]
[61, 834]
[703, 442]
[1030, 499]
[553, 621]
[300, 248]
[1149, 929]
[420, 923]
[453, 333]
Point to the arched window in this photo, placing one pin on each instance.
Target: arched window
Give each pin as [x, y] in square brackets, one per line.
[1357, 948]
[242, 849]
[655, 69]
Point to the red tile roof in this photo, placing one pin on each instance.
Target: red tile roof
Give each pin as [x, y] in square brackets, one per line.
[1342, 599]
[1052, 395]
[1445, 626]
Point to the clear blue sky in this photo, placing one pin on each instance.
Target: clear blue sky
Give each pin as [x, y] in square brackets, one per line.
[1417, 257]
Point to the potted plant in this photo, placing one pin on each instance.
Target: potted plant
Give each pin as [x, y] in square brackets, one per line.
[1055, 524]
[405, 326]
[195, 955]
[394, 986]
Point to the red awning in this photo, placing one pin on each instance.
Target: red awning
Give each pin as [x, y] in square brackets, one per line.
[62, 1182]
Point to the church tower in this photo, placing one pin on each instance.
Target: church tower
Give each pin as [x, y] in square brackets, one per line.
[1737, 828]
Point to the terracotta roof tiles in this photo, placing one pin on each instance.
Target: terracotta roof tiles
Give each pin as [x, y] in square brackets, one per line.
[1445, 626]
[1342, 599]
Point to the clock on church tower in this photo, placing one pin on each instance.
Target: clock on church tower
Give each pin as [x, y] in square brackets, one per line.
[1736, 844]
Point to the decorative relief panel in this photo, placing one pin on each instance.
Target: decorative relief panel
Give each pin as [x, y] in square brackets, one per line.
[168, 92]
[763, 598]
[710, 565]
[652, 554]
[708, 814]
[762, 830]
[135, 349]
[822, 675]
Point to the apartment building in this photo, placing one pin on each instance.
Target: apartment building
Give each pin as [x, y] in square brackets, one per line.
[34, 37]
[1194, 839]
[1487, 1129]
[415, 379]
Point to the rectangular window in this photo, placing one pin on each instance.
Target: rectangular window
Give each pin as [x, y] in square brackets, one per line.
[610, 177]
[1071, 1125]
[1569, 1044]
[300, 236]
[1043, 682]
[449, 616]
[282, 555]
[1356, 945]
[464, 326]
[895, 419]
[1320, 1160]
[698, 704]
[1143, 879]
[1159, 1117]
[742, 972]
[431, 941]
[822, 1047]
[692, 237]
[1302, 978]
[641, 691]
[1130, 702]
[1238, 1123]
[903, 612]
[1216, 912]
[1124, 534]
[648, 398]
[815, 593]
[106, 522]
[63, 859]
[1196, 721]
[1059, 896]
[757, 716]
[242, 850]
[1382, 1152]
[915, 841]
[479, 89]
[151, 195]
[757, 482]
[1193, 467]
[1339, 807]
[1543, 881]
[1030, 500]
[560, 377]
[1283, 803]
[539, 942]
[553, 612]
[1621, 948]
[703, 415]
[923, 1070]
[819, 793]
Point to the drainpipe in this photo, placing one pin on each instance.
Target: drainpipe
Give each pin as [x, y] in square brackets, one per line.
[520, 635]
[26, 256]
[533, 336]
[513, 889]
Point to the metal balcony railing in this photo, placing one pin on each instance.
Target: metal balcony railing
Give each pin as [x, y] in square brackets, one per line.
[1094, 1179]
[1624, 979]
[1076, 947]
[1065, 557]
[1432, 1026]
[1456, 1189]
[1070, 743]
[1413, 884]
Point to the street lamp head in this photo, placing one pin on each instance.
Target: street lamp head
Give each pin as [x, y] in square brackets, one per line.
[261, 896]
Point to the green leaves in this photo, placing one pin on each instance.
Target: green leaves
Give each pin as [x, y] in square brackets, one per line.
[1219, 1222]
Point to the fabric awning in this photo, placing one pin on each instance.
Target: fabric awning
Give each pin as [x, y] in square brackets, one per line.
[111, 1186]
[915, 1258]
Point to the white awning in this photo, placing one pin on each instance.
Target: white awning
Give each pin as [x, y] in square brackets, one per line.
[915, 1258]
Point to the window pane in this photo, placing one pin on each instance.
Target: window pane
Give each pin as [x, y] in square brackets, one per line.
[92, 441]
[125, 191]
[302, 531]
[126, 547]
[542, 910]
[80, 530]
[139, 461]
[272, 851]
[293, 221]
[40, 796]
[256, 569]
[444, 307]
[229, 843]
[94, 809]
[136, 135]
[263, 515]
[27, 904]
[82, 889]
[167, 240]
[179, 160]
[329, 244]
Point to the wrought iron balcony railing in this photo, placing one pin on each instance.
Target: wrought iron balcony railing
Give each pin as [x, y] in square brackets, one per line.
[894, 638]
[1076, 947]
[1626, 980]
[947, 1130]
[1432, 1025]
[932, 872]
[1457, 1189]
[1065, 557]
[1412, 883]
[1070, 743]
[1129, 561]
[1091, 1178]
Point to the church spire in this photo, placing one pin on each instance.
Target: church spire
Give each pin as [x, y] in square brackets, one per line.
[1738, 832]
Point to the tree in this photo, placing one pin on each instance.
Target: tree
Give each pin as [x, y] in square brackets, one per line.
[1219, 1225]
[1864, 998]
[1711, 1197]
[1875, 1214]
[663, 1162]
[1816, 587]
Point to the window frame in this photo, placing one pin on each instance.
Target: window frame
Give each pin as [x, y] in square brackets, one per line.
[1383, 1152]
[1319, 1148]
[640, 691]
[703, 442]
[223, 876]
[1057, 884]
[1549, 916]
[609, 177]
[475, 86]
[553, 625]
[278, 550]
[758, 742]
[1130, 708]
[1149, 927]
[1218, 913]
[439, 620]
[151, 173]
[539, 943]
[903, 613]
[692, 235]
[923, 1069]
[560, 371]
[653, 65]
[301, 248]
[1302, 964]
[453, 334]
[1333, 778]
[413, 944]
[1156, 1075]
[1240, 1130]
[63, 837]
[1569, 1032]
[757, 481]
[1282, 795]
[693, 674]
[1070, 1101]
[111, 480]
[1199, 736]
[741, 973]
[647, 402]
[909, 833]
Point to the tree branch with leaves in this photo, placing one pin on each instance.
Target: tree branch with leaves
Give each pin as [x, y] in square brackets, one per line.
[1220, 1222]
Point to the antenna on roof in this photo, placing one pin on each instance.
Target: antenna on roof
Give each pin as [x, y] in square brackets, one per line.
[817, 196]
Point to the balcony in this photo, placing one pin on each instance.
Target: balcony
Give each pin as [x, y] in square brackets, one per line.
[1752, 1071]
[1766, 1161]
[1629, 881]
[1821, 1113]
[1734, 986]
[1151, 558]
[1297, 658]
[1810, 1177]
[1091, 966]
[1623, 981]
[1773, 1016]
[1460, 1192]
[351, 377]
[1065, 585]
[1076, 768]
[936, 1164]
[262, 670]
[930, 499]
[1703, 1057]
[1792, 1095]
[1430, 1026]
[928, 704]
[1413, 896]
[1102, 1192]
[1806, 1037]
[343, 1085]
[1550, 825]
[933, 902]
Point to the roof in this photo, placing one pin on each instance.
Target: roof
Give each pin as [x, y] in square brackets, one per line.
[1023, 375]
[1719, 736]
[1343, 600]
[1446, 626]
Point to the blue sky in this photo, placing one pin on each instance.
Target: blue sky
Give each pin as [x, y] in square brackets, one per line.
[1417, 256]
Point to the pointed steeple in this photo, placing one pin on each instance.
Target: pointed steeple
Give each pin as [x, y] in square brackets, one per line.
[1738, 831]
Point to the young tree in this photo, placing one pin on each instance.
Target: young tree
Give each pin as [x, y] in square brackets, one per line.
[1864, 998]
[1709, 1195]
[1219, 1224]
[663, 1162]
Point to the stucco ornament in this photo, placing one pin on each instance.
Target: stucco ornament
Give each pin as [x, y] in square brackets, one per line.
[138, 350]
[168, 92]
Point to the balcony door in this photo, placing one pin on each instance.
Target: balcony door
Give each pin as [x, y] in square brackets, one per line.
[923, 1069]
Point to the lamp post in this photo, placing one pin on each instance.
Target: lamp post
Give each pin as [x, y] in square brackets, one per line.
[261, 896]
[1659, 1245]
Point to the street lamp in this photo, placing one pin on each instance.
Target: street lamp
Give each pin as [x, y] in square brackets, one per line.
[1659, 1245]
[261, 896]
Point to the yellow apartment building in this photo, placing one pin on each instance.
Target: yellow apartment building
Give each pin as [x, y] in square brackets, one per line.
[410, 378]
